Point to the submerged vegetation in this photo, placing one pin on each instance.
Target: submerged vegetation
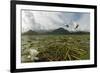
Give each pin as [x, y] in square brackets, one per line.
[55, 47]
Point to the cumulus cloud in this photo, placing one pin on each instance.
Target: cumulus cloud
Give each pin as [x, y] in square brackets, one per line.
[46, 20]
[84, 22]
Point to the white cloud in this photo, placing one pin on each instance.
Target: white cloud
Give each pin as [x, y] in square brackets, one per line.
[44, 20]
[84, 22]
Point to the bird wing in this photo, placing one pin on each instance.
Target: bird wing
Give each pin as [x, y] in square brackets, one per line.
[76, 26]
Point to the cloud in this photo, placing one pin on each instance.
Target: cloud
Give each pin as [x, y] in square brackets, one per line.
[84, 22]
[45, 20]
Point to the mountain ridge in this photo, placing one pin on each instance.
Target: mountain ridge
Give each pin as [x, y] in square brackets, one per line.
[56, 31]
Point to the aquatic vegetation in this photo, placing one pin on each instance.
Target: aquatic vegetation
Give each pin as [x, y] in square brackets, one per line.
[55, 48]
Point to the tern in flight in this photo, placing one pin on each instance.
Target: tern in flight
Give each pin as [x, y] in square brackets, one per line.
[77, 25]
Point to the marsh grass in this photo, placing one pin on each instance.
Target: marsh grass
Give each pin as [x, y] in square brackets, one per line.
[57, 47]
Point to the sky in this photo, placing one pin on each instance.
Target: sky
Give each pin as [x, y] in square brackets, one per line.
[50, 20]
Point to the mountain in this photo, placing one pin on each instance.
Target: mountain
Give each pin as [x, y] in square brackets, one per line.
[56, 31]
[80, 32]
[59, 31]
[30, 32]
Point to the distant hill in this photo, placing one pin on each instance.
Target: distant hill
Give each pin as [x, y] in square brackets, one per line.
[59, 31]
[30, 32]
[80, 32]
[56, 31]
